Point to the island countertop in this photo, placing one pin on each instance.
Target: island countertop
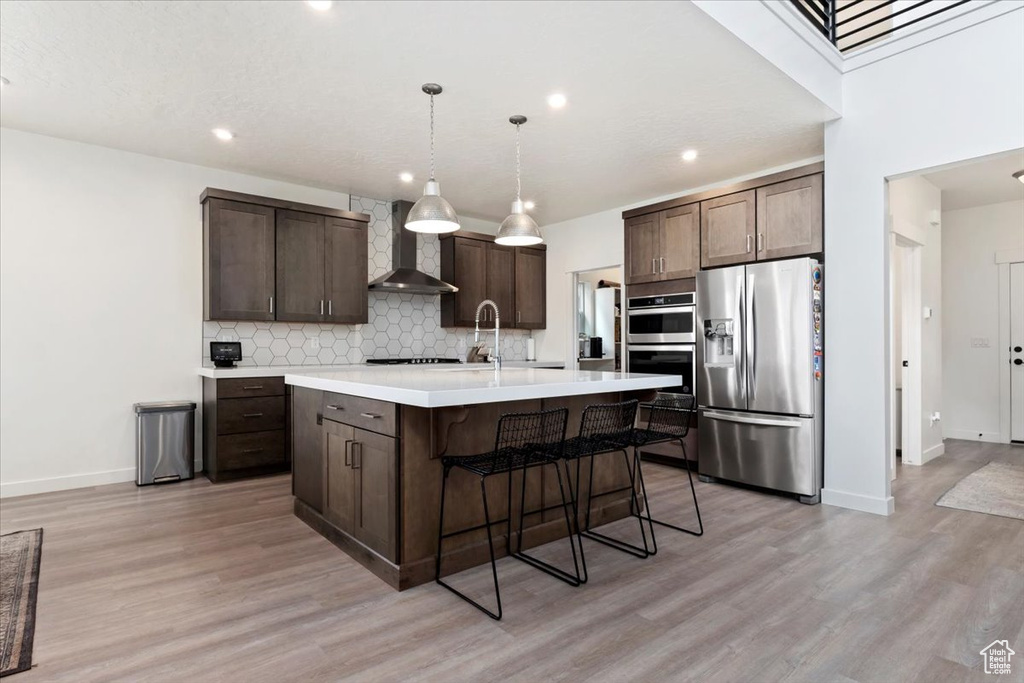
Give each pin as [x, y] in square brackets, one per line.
[437, 387]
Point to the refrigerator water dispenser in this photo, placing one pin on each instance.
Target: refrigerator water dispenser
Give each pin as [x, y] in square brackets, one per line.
[719, 342]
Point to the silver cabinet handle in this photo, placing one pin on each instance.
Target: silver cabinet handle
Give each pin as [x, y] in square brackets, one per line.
[271, 305]
[370, 416]
[334, 407]
[519, 317]
[330, 307]
[321, 306]
[348, 461]
[253, 450]
[354, 444]
[252, 415]
[662, 259]
[255, 387]
[749, 237]
[654, 265]
[760, 242]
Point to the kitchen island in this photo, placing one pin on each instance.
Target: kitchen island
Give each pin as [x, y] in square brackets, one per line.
[366, 458]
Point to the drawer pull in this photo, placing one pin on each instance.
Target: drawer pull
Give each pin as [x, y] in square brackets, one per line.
[333, 407]
[252, 415]
[255, 387]
[253, 450]
[370, 416]
[354, 444]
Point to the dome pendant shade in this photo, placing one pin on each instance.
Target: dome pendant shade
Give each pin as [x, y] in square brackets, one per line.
[518, 230]
[432, 213]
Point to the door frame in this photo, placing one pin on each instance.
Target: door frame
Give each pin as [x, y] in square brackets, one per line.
[1004, 259]
[904, 235]
[572, 354]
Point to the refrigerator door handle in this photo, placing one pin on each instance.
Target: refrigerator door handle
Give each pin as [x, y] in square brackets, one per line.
[751, 320]
[747, 420]
[741, 371]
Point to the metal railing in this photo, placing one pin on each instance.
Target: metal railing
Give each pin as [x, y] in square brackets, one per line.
[849, 24]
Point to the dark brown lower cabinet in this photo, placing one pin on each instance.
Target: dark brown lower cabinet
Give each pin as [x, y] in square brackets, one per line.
[245, 427]
[359, 484]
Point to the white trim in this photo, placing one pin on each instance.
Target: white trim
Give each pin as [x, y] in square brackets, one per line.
[74, 481]
[972, 435]
[1009, 256]
[856, 501]
[1005, 407]
[930, 454]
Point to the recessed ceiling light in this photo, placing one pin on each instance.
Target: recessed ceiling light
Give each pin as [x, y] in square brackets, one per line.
[405, 177]
[689, 155]
[557, 100]
[4, 81]
[529, 205]
[223, 134]
[320, 5]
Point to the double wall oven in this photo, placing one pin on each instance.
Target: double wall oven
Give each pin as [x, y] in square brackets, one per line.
[661, 337]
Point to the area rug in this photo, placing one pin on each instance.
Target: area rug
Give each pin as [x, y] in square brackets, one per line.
[995, 489]
[19, 579]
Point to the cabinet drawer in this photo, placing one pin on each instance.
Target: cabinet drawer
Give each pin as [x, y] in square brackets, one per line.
[254, 386]
[243, 415]
[365, 413]
[258, 449]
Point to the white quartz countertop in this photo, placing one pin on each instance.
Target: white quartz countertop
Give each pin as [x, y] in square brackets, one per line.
[438, 386]
[249, 371]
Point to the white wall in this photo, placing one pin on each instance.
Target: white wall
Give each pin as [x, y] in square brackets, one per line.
[970, 238]
[955, 98]
[101, 301]
[913, 203]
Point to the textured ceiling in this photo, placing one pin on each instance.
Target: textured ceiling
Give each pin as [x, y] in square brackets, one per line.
[333, 99]
[988, 181]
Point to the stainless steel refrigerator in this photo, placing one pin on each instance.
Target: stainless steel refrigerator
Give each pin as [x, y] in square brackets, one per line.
[760, 375]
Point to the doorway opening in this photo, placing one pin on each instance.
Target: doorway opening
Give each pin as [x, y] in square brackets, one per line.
[597, 325]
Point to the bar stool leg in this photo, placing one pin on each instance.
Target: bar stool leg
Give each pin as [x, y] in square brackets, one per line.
[546, 567]
[575, 500]
[693, 493]
[633, 550]
[490, 547]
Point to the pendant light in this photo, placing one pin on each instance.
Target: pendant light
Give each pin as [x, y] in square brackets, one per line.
[432, 213]
[518, 230]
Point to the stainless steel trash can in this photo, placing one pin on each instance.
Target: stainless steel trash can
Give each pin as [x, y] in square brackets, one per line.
[164, 442]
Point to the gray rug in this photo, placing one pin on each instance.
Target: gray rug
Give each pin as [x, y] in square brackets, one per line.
[995, 489]
[19, 579]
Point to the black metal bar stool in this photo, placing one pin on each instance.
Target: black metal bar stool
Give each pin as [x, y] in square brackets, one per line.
[605, 428]
[669, 420]
[523, 441]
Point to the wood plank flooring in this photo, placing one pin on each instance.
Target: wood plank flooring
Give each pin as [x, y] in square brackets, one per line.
[196, 582]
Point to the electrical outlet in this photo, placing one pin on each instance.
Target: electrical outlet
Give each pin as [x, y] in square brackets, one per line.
[980, 343]
[935, 417]
[314, 343]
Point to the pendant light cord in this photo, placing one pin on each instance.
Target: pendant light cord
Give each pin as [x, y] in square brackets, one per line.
[518, 181]
[431, 137]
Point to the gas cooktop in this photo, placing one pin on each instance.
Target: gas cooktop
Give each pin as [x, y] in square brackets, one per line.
[410, 361]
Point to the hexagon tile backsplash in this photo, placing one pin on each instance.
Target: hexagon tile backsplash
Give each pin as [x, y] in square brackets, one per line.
[399, 324]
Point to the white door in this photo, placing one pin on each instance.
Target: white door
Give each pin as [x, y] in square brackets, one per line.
[1017, 351]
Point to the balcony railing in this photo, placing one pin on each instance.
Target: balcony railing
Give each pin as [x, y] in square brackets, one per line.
[849, 24]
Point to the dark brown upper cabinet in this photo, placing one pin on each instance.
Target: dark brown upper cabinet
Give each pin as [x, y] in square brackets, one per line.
[300, 267]
[531, 288]
[238, 263]
[789, 218]
[268, 259]
[727, 226]
[663, 245]
[513, 277]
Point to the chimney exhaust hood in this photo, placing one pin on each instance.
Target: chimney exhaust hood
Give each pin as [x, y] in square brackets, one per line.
[404, 278]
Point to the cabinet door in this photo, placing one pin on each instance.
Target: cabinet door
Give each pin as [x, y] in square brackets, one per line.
[680, 242]
[300, 267]
[531, 288]
[642, 245]
[345, 271]
[501, 283]
[239, 263]
[339, 476]
[789, 218]
[727, 230]
[373, 462]
[465, 262]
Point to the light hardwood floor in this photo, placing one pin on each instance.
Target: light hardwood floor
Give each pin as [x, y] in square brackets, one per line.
[196, 582]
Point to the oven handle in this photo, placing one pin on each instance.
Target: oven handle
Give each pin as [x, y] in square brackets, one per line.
[659, 311]
[692, 348]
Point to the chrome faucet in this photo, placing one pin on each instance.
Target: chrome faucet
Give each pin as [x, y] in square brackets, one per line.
[497, 327]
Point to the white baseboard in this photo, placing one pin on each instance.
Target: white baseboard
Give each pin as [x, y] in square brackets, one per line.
[72, 481]
[857, 501]
[930, 454]
[972, 435]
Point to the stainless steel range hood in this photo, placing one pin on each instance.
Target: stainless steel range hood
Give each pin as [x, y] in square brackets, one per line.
[404, 278]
